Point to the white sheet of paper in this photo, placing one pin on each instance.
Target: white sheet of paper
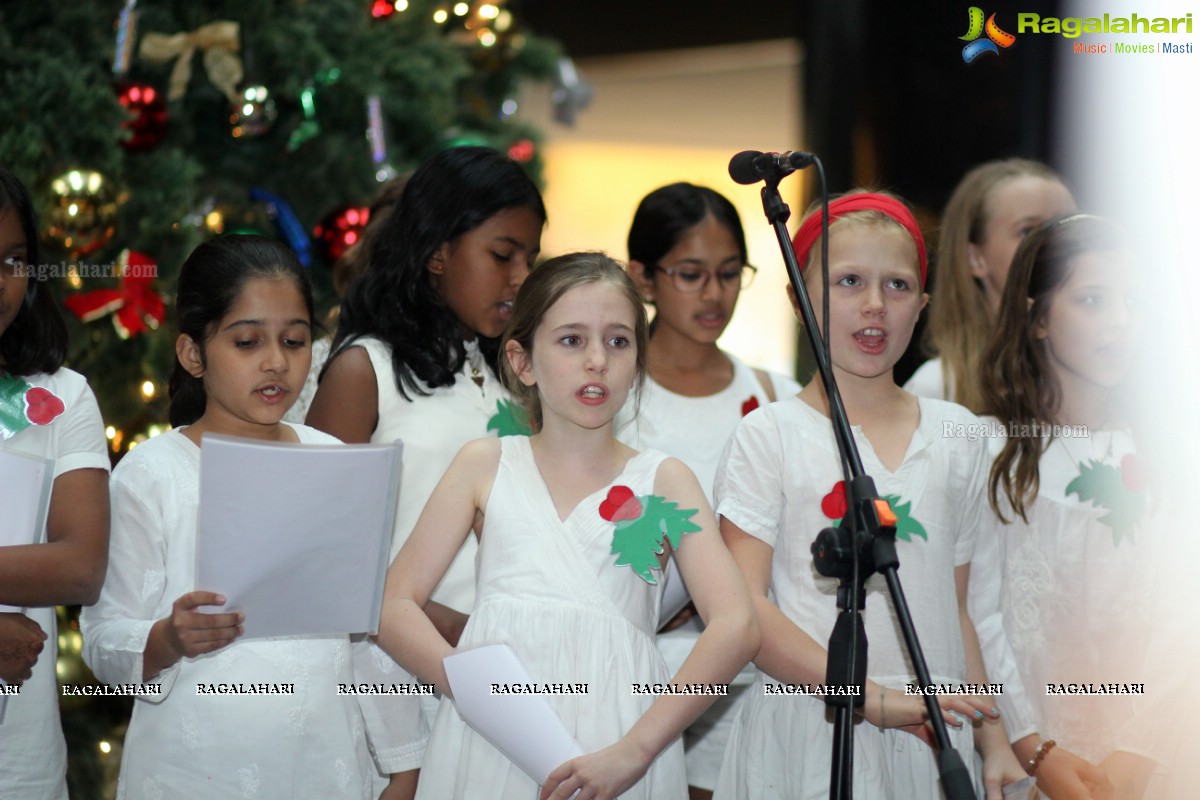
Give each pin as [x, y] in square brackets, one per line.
[297, 536]
[524, 727]
[25, 485]
[675, 595]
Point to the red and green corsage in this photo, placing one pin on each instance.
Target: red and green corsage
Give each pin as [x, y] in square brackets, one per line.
[641, 524]
[22, 405]
[1119, 491]
[833, 505]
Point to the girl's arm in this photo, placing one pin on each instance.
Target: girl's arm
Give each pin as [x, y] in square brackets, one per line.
[346, 404]
[1000, 765]
[120, 643]
[68, 569]
[729, 640]
[406, 631]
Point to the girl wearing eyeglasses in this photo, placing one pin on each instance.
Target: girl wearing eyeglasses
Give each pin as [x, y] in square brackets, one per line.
[687, 254]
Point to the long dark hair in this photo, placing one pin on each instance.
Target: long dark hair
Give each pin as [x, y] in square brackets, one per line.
[667, 213]
[36, 341]
[451, 194]
[209, 284]
[1017, 382]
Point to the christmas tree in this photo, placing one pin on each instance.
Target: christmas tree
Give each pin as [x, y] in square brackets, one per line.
[142, 129]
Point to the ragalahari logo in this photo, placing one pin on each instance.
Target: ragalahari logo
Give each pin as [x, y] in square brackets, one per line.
[996, 38]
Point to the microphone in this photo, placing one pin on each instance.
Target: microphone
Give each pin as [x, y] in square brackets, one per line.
[751, 166]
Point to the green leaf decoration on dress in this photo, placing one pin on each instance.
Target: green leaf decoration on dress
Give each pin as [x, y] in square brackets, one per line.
[906, 525]
[510, 419]
[641, 524]
[1104, 486]
[834, 506]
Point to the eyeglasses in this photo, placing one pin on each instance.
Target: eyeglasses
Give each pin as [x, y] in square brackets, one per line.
[691, 280]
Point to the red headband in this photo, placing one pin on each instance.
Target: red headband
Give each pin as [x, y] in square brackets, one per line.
[810, 229]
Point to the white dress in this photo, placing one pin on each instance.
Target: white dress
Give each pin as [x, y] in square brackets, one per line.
[929, 381]
[183, 744]
[1068, 596]
[434, 428]
[33, 755]
[299, 410]
[778, 468]
[550, 590]
[695, 430]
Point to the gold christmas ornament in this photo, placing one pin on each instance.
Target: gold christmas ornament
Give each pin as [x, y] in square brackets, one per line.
[83, 216]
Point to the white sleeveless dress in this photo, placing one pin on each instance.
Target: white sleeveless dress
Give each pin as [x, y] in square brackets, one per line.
[548, 588]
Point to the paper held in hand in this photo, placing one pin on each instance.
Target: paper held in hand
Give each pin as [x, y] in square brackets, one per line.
[25, 485]
[524, 727]
[297, 536]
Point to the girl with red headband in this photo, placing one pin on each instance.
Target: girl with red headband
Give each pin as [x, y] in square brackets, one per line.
[780, 483]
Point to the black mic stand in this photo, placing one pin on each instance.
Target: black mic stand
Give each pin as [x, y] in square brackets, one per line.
[863, 544]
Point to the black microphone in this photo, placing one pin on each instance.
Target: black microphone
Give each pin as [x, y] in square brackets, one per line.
[751, 166]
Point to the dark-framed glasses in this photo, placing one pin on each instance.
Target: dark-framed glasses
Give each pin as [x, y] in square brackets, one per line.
[692, 280]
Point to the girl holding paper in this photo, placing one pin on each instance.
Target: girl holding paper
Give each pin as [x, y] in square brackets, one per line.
[574, 530]
[49, 412]
[245, 314]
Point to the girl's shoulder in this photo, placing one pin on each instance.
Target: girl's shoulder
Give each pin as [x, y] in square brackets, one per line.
[65, 384]
[934, 409]
[309, 435]
[928, 381]
[759, 380]
[160, 458]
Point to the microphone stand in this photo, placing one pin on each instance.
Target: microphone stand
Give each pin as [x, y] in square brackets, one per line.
[863, 544]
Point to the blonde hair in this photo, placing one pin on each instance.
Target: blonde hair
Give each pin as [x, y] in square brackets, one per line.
[542, 289]
[961, 320]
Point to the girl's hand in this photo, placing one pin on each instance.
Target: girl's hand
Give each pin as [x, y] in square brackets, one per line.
[893, 709]
[21, 641]
[1062, 775]
[602, 775]
[1000, 768]
[401, 786]
[192, 633]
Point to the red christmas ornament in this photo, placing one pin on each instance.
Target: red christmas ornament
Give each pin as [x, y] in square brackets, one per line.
[382, 8]
[147, 122]
[135, 306]
[340, 229]
[521, 151]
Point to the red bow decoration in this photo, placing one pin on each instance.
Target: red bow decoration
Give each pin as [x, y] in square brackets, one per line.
[135, 306]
